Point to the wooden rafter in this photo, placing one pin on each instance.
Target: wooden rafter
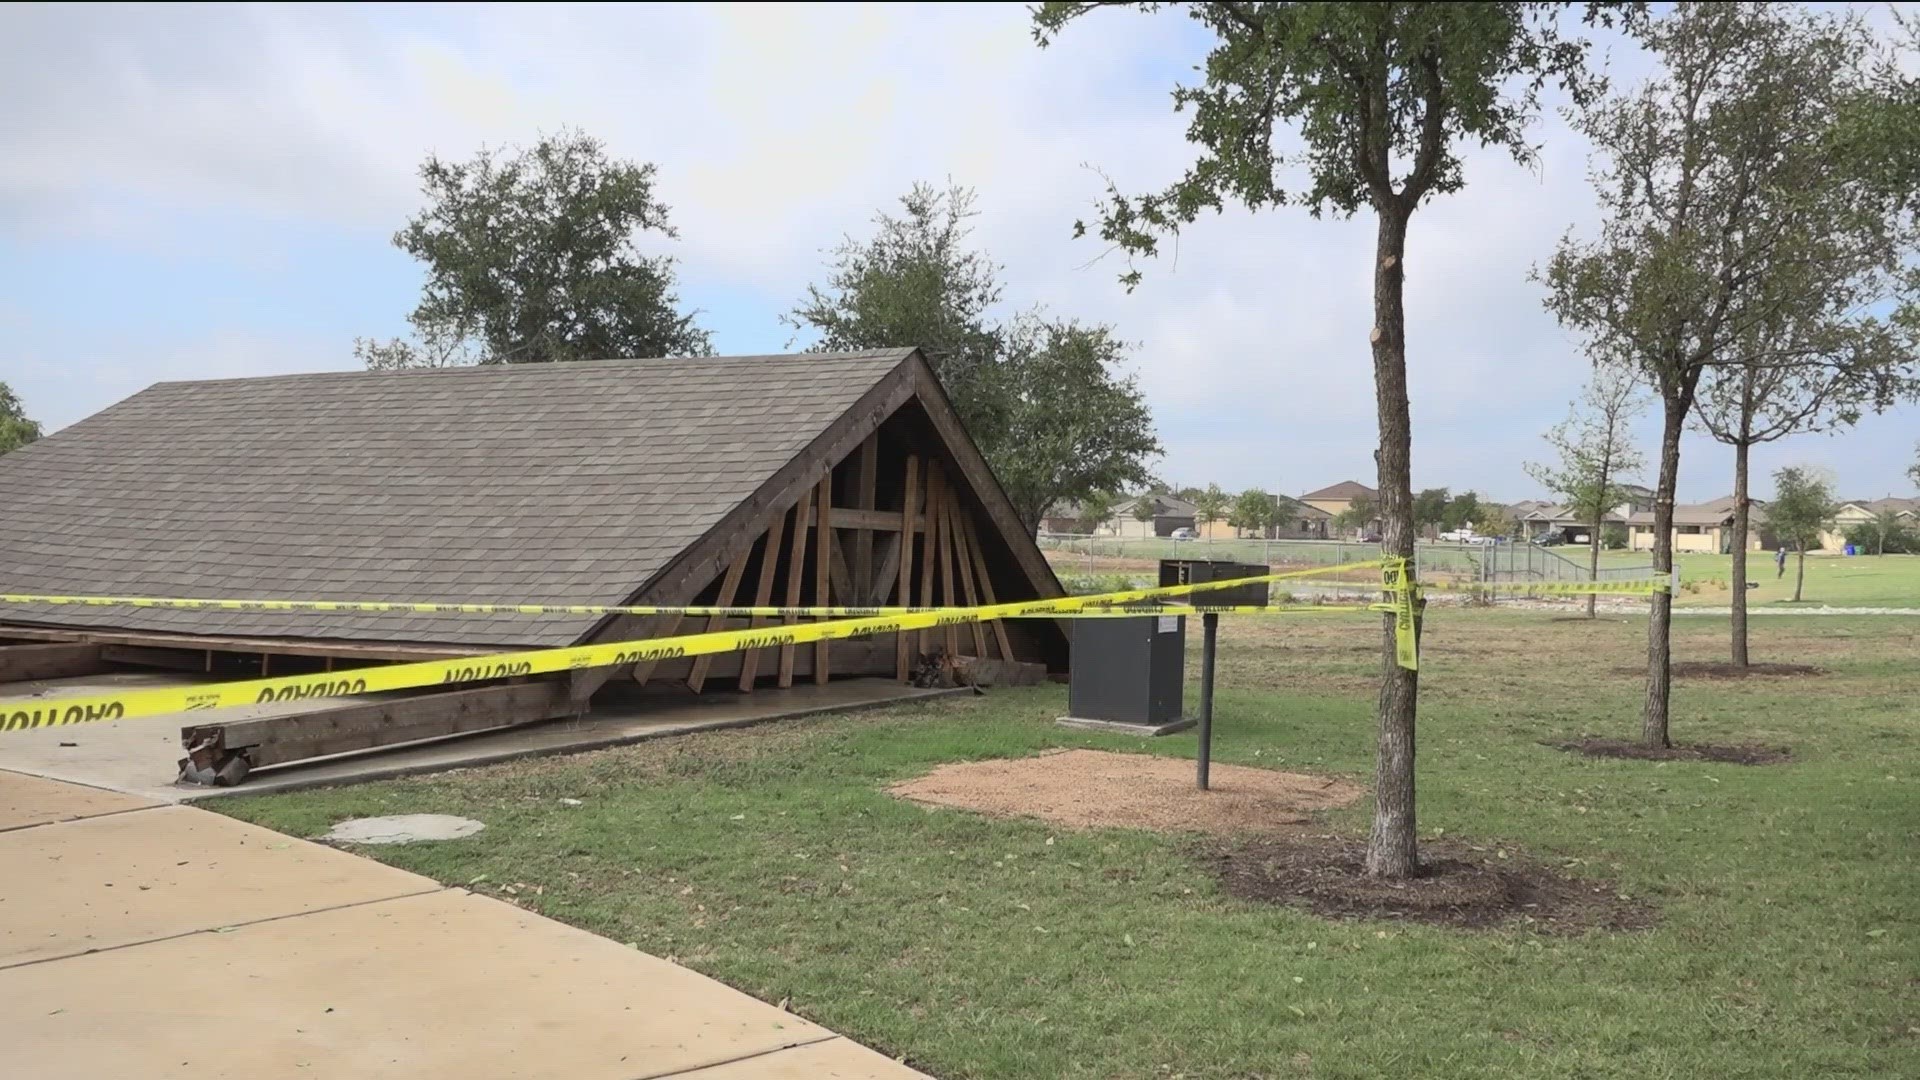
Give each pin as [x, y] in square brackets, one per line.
[968, 594]
[822, 570]
[986, 588]
[796, 574]
[763, 593]
[729, 589]
[909, 512]
[932, 512]
[943, 541]
[866, 485]
[642, 671]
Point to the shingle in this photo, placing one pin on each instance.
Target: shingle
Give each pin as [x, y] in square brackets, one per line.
[561, 483]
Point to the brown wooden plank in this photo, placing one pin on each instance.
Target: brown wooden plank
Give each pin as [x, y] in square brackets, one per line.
[986, 586]
[193, 660]
[871, 657]
[729, 589]
[823, 570]
[843, 590]
[276, 740]
[796, 574]
[60, 660]
[866, 485]
[256, 646]
[763, 594]
[968, 594]
[881, 521]
[882, 582]
[669, 625]
[943, 542]
[909, 515]
[930, 512]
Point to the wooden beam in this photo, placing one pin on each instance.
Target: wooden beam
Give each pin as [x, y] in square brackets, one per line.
[881, 584]
[931, 514]
[276, 740]
[884, 521]
[256, 646]
[943, 542]
[841, 577]
[729, 589]
[822, 570]
[968, 594]
[642, 671]
[171, 659]
[796, 574]
[872, 656]
[57, 661]
[866, 484]
[986, 587]
[909, 514]
[763, 593]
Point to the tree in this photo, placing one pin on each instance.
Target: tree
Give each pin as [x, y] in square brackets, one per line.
[1378, 97]
[1209, 506]
[1040, 395]
[1726, 183]
[533, 257]
[1095, 508]
[916, 281]
[1913, 470]
[1462, 511]
[1885, 533]
[1252, 509]
[1802, 509]
[1061, 425]
[15, 429]
[1614, 536]
[1361, 514]
[1496, 520]
[1597, 456]
[1144, 510]
[1430, 508]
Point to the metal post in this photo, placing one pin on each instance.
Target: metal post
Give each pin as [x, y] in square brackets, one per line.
[1211, 626]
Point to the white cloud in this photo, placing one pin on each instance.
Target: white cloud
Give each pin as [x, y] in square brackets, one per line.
[778, 128]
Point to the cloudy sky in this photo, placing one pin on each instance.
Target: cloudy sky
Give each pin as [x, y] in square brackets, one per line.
[210, 192]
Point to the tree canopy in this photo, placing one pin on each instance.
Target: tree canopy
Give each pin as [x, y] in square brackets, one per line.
[1210, 505]
[1043, 396]
[1596, 454]
[1252, 509]
[15, 429]
[533, 257]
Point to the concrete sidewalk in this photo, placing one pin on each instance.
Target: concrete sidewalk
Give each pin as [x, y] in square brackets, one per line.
[139, 939]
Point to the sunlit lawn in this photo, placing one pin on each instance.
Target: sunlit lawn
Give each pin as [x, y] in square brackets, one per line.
[1789, 934]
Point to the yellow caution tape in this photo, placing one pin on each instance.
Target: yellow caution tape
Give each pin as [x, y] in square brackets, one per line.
[691, 610]
[1637, 587]
[131, 704]
[1397, 581]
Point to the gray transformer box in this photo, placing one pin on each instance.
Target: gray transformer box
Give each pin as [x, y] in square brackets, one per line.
[1128, 670]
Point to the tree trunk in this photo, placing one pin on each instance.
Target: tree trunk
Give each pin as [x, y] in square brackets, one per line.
[1391, 846]
[1800, 573]
[1593, 558]
[1739, 553]
[1653, 721]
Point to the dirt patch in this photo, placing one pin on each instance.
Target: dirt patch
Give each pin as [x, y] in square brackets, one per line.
[1458, 886]
[1739, 754]
[1720, 669]
[1091, 789]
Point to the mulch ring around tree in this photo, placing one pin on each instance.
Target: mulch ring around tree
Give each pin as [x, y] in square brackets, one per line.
[1459, 886]
[1720, 669]
[1738, 754]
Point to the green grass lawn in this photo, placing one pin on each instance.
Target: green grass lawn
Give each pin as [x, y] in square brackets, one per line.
[1788, 940]
[1836, 580]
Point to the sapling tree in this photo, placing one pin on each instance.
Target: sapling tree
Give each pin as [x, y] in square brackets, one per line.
[1743, 223]
[1802, 508]
[1596, 454]
[1374, 103]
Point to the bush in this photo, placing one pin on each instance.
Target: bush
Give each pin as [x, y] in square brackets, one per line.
[1900, 538]
[1614, 538]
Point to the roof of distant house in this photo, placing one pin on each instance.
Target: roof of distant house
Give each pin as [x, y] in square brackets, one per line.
[1345, 489]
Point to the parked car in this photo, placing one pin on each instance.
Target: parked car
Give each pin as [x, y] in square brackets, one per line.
[1185, 534]
[1551, 539]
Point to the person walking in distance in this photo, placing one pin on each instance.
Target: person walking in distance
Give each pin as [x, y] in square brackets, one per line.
[1780, 563]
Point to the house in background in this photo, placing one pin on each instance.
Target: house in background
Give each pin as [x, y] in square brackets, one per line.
[1854, 513]
[1702, 527]
[1293, 520]
[1169, 512]
[1334, 499]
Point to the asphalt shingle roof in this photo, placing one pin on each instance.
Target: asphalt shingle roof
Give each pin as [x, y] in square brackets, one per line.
[555, 483]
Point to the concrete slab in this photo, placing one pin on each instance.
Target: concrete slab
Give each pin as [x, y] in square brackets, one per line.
[446, 984]
[140, 756]
[834, 1059]
[26, 801]
[106, 882]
